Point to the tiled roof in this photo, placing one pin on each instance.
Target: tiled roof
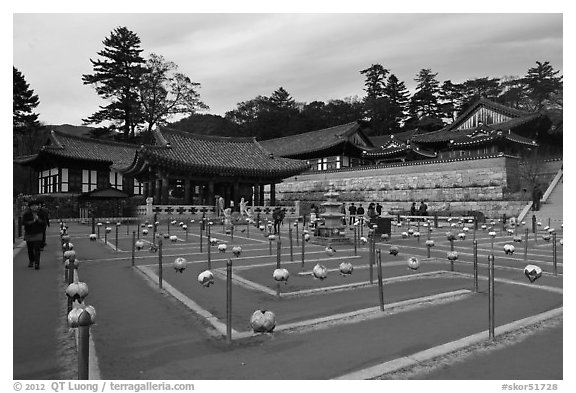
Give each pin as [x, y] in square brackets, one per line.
[312, 141]
[119, 155]
[484, 102]
[214, 155]
[383, 140]
[486, 134]
[450, 132]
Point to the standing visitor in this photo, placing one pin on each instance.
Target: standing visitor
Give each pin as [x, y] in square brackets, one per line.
[352, 211]
[536, 196]
[423, 210]
[43, 213]
[34, 228]
[360, 213]
[413, 209]
[379, 209]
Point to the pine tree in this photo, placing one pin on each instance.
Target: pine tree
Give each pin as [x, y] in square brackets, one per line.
[424, 105]
[542, 83]
[375, 102]
[24, 103]
[116, 79]
[397, 97]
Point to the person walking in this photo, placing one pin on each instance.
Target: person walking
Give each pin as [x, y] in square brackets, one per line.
[352, 211]
[43, 212]
[277, 217]
[536, 196]
[34, 227]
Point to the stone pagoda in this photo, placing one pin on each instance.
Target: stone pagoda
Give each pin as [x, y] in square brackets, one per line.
[332, 231]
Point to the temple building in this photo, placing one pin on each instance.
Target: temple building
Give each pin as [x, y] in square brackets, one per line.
[396, 148]
[485, 128]
[184, 168]
[330, 148]
[69, 164]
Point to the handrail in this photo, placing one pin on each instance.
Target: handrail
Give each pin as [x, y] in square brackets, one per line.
[552, 185]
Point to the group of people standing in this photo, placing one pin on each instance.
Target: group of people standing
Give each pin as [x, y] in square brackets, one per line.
[35, 220]
[374, 210]
[422, 210]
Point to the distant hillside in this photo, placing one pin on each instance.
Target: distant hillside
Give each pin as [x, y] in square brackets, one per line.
[205, 124]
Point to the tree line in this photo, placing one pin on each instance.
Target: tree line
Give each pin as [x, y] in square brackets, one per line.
[141, 94]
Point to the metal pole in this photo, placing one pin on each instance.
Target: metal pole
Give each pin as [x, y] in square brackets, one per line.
[209, 251]
[291, 249]
[116, 238]
[303, 242]
[297, 237]
[168, 224]
[491, 296]
[160, 263]
[554, 259]
[232, 233]
[451, 244]
[372, 251]
[278, 253]
[70, 279]
[475, 252]
[93, 224]
[526, 244]
[83, 344]
[270, 244]
[380, 283]
[133, 246]
[355, 240]
[98, 232]
[201, 230]
[229, 301]
[105, 237]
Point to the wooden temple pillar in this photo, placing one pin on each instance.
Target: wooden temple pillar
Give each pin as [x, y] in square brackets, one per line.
[165, 186]
[146, 189]
[272, 194]
[188, 192]
[157, 190]
[256, 201]
[261, 194]
[210, 197]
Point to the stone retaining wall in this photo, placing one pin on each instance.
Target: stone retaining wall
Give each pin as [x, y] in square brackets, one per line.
[449, 185]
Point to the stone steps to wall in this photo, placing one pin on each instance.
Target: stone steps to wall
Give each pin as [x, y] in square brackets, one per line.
[552, 209]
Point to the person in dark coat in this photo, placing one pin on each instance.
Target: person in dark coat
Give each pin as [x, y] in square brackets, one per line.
[352, 211]
[536, 196]
[379, 209]
[34, 226]
[371, 210]
[423, 210]
[277, 216]
[413, 209]
[43, 212]
[360, 212]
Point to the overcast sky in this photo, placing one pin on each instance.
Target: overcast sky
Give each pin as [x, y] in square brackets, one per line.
[236, 57]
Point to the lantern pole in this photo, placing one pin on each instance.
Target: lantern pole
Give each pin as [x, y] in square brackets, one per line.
[133, 246]
[380, 283]
[232, 233]
[297, 237]
[229, 301]
[84, 322]
[291, 249]
[372, 251]
[526, 244]
[208, 246]
[160, 263]
[491, 296]
[554, 257]
[105, 237]
[116, 239]
[270, 243]
[98, 232]
[201, 231]
[475, 254]
[303, 242]
[355, 240]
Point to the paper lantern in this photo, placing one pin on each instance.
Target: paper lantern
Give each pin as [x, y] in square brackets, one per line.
[363, 240]
[237, 250]
[413, 263]
[281, 275]
[306, 237]
[185, 227]
[263, 321]
[346, 268]
[452, 255]
[517, 239]
[508, 249]
[144, 231]
[462, 236]
[450, 236]
[173, 238]
[330, 251]
[404, 235]
[416, 234]
[533, 272]
[213, 241]
[385, 236]
[181, 223]
[179, 264]
[320, 271]
[70, 254]
[93, 236]
[222, 247]
[546, 237]
[108, 229]
[394, 250]
[206, 278]
[492, 234]
[465, 229]
[430, 243]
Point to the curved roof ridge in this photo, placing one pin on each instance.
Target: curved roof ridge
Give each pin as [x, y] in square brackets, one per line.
[314, 131]
[60, 134]
[241, 139]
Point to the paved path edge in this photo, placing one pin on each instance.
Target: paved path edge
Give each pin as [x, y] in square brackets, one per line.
[414, 359]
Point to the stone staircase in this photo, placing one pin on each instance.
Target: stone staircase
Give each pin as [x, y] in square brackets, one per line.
[552, 209]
